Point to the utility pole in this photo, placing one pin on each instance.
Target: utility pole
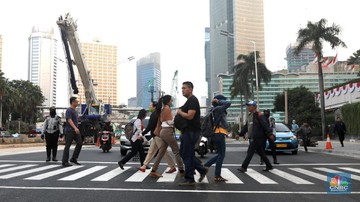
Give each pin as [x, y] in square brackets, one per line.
[286, 107]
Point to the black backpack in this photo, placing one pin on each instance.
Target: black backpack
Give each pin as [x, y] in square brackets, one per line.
[208, 125]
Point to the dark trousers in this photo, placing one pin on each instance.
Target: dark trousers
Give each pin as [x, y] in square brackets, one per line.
[187, 151]
[255, 145]
[51, 144]
[306, 142]
[136, 147]
[69, 137]
[272, 146]
[219, 141]
[341, 137]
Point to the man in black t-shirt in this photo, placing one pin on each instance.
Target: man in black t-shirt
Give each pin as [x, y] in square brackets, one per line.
[190, 135]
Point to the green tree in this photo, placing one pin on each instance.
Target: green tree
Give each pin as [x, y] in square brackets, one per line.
[3, 81]
[316, 34]
[354, 59]
[244, 80]
[301, 106]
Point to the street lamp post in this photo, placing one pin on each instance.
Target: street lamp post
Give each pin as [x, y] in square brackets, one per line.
[256, 76]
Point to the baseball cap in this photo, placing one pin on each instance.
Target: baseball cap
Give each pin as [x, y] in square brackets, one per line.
[220, 97]
[251, 103]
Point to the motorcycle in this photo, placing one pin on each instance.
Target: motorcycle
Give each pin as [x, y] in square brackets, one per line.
[202, 147]
[105, 141]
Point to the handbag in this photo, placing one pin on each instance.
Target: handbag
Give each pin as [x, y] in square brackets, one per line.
[180, 122]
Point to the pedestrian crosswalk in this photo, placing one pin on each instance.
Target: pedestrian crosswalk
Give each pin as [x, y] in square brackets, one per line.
[306, 175]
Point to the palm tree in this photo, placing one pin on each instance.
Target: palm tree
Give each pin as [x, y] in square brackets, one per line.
[316, 34]
[2, 93]
[244, 74]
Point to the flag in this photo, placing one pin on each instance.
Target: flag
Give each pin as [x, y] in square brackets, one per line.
[353, 68]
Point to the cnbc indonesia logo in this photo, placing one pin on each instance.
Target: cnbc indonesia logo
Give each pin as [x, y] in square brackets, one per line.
[339, 183]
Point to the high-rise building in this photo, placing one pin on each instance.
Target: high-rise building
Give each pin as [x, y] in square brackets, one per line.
[101, 61]
[207, 63]
[148, 78]
[299, 62]
[43, 62]
[1, 53]
[236, 27]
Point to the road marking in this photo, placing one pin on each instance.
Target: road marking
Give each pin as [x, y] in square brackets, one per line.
[17, 168]
[52, 173]
[350, 169]
[8, 176]
[138, 176]
[109, 175]
[197, 176]
[262, 179]
[6, 165]
[172, 191]
[83, 173]
[290, 177]
[354, 177]
[168, 177]
[231, 177]
[310, 173]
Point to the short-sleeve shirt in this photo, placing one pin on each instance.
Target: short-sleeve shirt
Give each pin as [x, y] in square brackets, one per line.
[192, 103]
[73, 115]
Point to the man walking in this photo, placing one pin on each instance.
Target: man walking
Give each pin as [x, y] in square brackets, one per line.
[190, 111]
[340, 129]
[257, 129]
[72, 132]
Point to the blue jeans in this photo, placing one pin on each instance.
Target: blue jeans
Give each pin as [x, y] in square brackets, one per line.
[219, 142]
[188, 141]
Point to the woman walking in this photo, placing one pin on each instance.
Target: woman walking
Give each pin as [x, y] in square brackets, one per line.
[136, 141]
[167, 135]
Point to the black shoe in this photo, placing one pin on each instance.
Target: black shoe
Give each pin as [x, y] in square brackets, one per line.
[276, 162]
[202, 176]
[47, 159]
[267, 169]
[242, 170]
[261, 162]
[121, 165]
[74, 161]
[54, 159]
[147, 168]
[187, 183]
[66, 164]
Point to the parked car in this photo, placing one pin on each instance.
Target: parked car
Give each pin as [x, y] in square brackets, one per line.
[5, 134]
[125, 144]
[285, 141]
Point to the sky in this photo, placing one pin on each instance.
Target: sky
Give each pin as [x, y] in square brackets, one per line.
[173, 28]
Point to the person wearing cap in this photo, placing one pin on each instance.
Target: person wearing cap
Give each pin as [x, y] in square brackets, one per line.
[257, 129]
[219, 111]
[51, 131]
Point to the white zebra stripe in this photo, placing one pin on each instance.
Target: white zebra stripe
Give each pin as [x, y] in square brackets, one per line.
[168, 177]
[231, 177]
[310, 173]
[259, 177]
[290, 177]
[354, 177]
[6, 165]
[109, 175]
[8, 176]
[83, 173]
[17, 168]
[138, 176]
[350, 169]
[52, 173]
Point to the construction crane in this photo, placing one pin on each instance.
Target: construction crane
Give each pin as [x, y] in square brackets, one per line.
[174, 89]
[93, 112]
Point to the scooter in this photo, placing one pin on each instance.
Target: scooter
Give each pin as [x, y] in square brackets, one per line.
[202, 149]
[105, 141]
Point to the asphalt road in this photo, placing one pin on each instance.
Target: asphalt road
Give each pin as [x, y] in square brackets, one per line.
[25, 176]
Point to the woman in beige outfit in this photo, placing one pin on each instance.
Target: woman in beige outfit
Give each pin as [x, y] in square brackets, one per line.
[167, 135]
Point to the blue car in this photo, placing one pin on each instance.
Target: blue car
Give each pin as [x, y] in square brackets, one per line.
[285, 141]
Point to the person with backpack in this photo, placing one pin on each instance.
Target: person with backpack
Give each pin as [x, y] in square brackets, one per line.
[157, 141]
[136, 140]
[51, 131]
[167, 136]
[190, 113]
[219, 133]
[257, 129]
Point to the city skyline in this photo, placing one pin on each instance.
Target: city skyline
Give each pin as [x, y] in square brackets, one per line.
[161, 25]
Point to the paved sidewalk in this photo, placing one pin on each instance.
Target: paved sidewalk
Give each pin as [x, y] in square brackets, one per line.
[350, 149]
